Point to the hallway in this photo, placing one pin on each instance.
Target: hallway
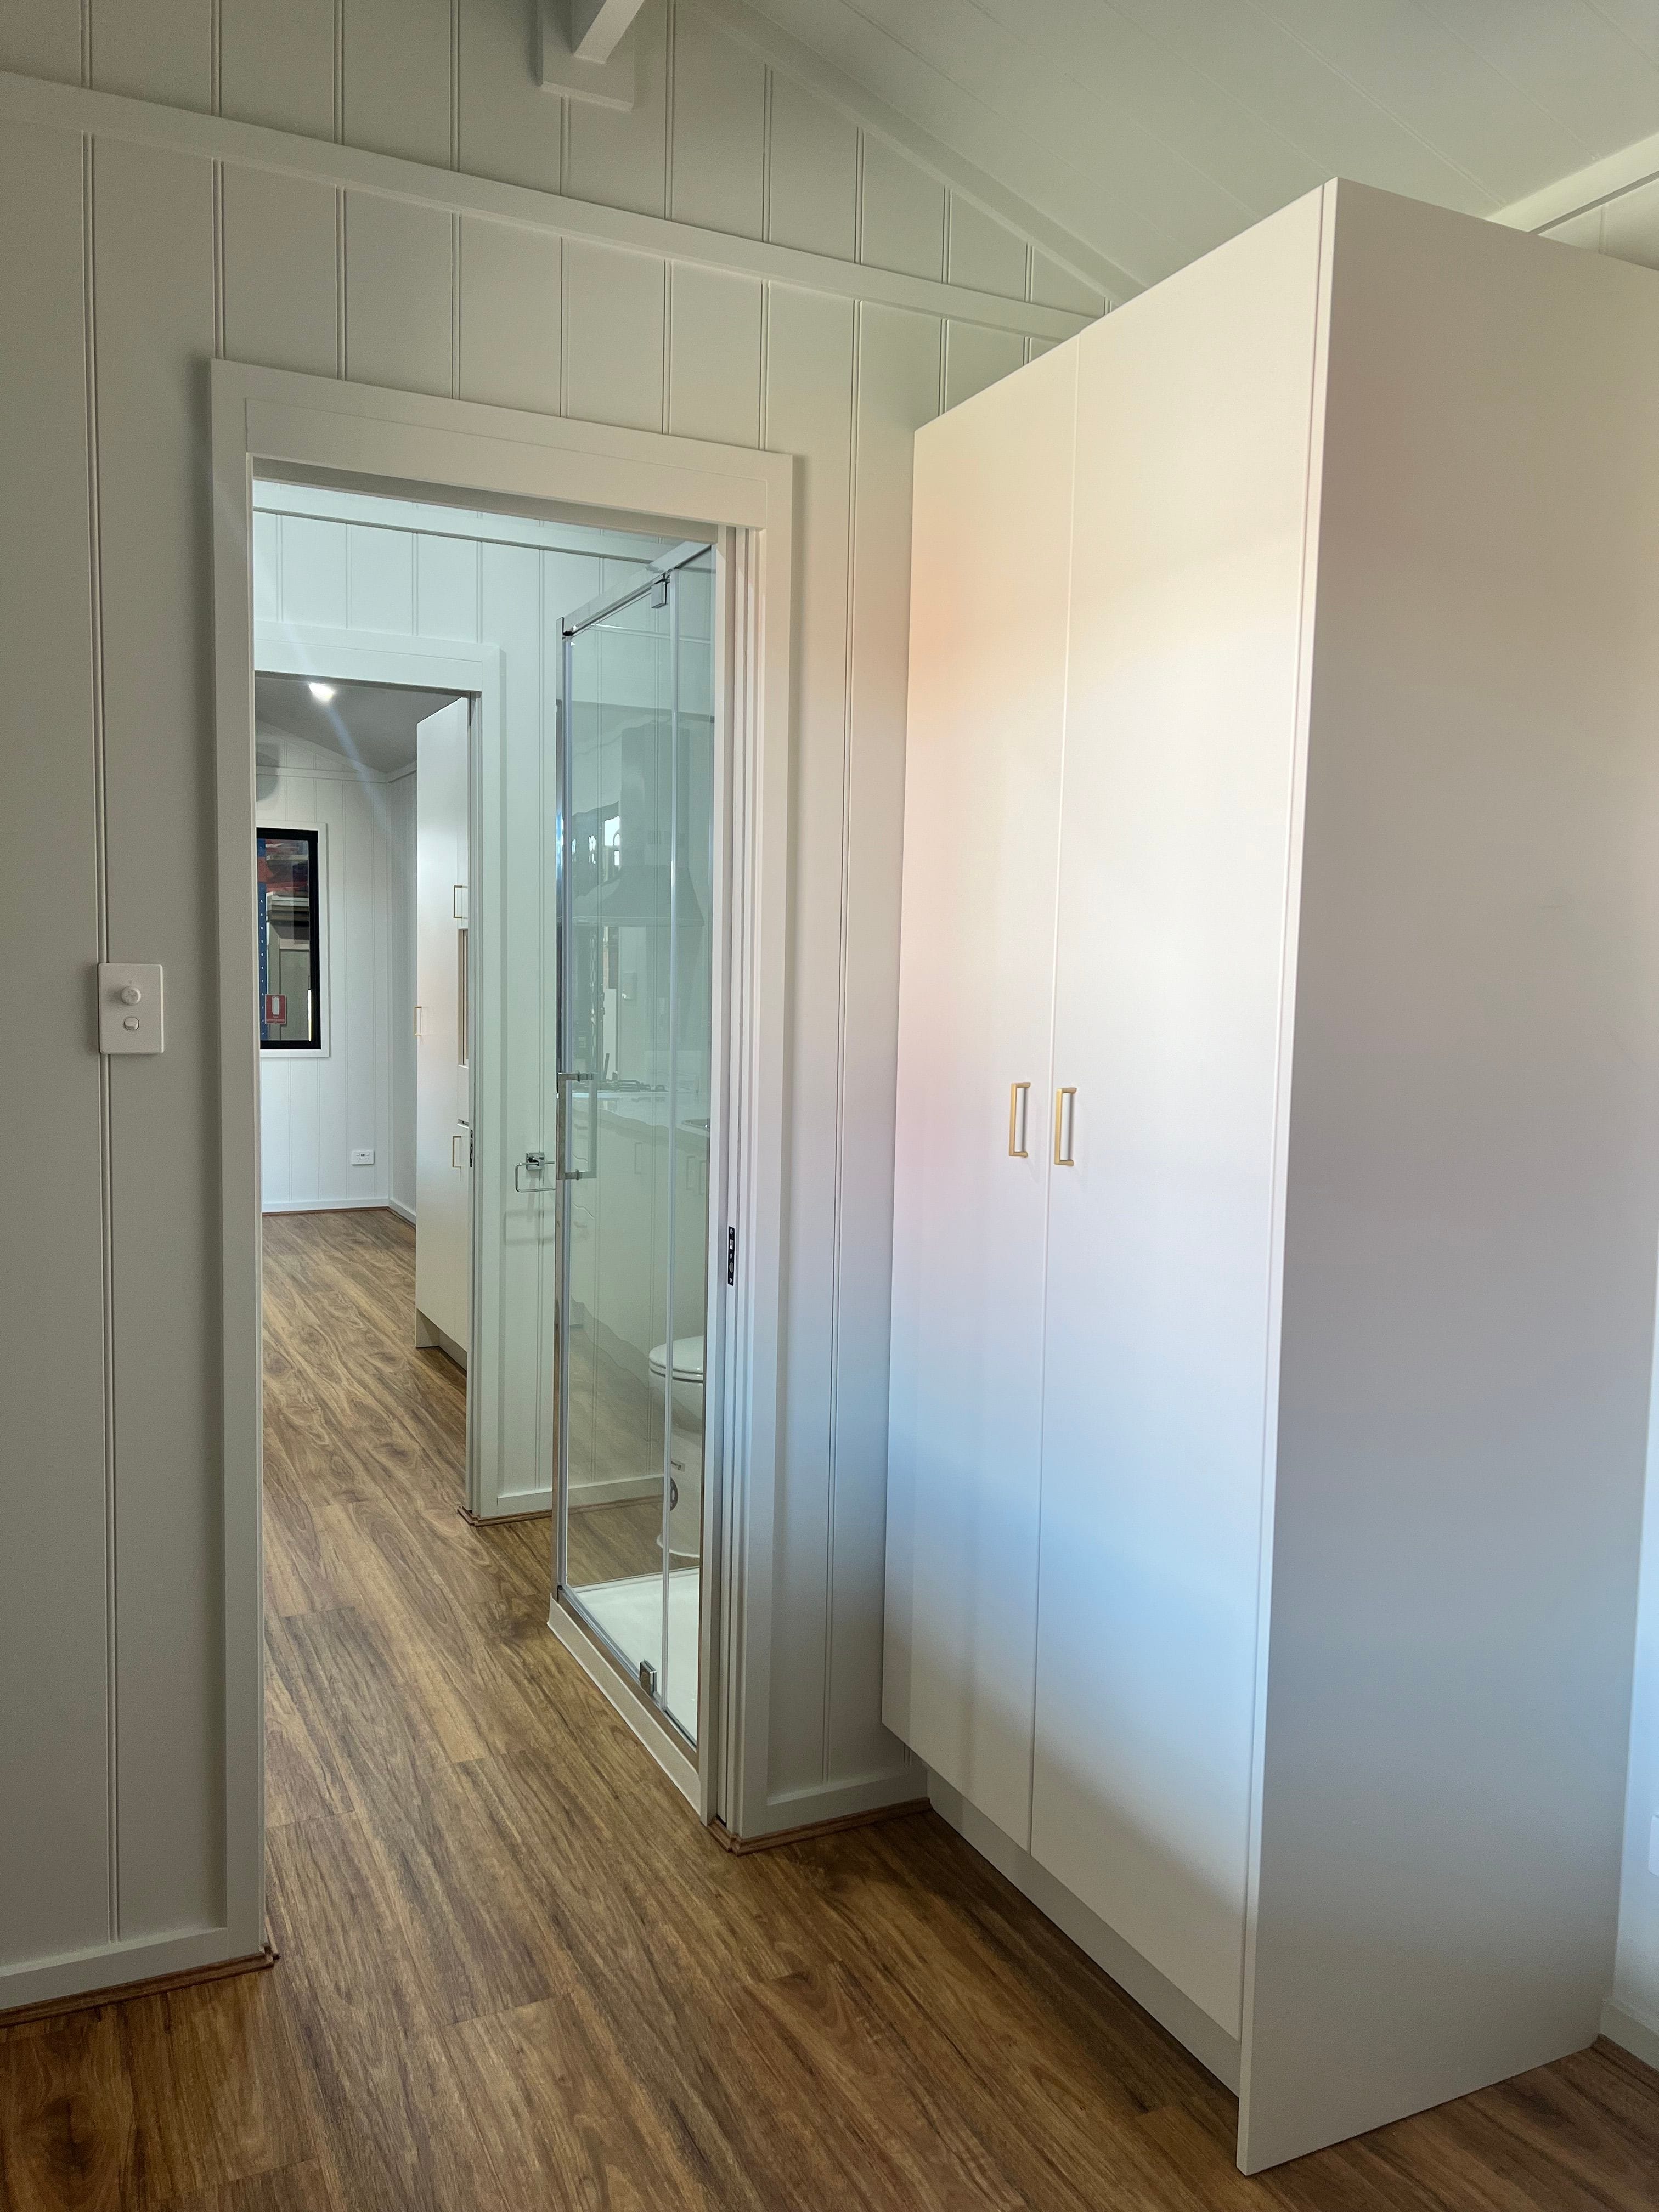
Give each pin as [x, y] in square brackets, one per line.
[514, 1972]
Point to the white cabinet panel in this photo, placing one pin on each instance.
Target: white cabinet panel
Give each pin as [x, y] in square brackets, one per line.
[443, 1102]
[982, 796]
[1186, 605]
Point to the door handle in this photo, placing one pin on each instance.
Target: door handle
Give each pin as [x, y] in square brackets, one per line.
[1019, 1101]
[1065, 1125]
[567, 1173]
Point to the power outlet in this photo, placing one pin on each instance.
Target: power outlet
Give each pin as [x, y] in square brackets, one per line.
[363, 1157]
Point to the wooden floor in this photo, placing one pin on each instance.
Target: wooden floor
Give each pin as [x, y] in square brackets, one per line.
[516, 1976]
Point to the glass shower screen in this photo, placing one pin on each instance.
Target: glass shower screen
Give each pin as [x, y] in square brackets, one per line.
[636, 910]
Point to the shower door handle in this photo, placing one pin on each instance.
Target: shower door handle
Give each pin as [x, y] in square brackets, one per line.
[567, 1173]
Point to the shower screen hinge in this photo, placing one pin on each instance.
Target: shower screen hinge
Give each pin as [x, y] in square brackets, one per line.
[731, 1259]
[647, 1678]
[659, 593]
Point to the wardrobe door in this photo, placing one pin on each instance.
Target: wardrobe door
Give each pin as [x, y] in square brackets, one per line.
[989, 606]
[1194, 410]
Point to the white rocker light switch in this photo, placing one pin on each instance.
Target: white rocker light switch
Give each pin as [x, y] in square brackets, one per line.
[129, 1006]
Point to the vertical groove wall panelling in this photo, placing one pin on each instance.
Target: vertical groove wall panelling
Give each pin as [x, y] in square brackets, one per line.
[715, 352]
[809, 412]
[983, 255]
[153, 228]
[718, 153]
[512, 293]
[379, 577]
[510, 124]
[282, 309]
[903, 223]
[277, 64]
[399, 280]
[617, 156]
[42, 38]
[811, 173]
[154, 50]
[614, 335]
[54, 1724]
[396, 72]
[898, 383]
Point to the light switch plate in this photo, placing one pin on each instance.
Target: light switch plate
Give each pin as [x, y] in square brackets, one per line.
[129, 1006]
[363, 1157]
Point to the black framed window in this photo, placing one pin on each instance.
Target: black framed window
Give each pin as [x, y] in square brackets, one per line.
[290, 940]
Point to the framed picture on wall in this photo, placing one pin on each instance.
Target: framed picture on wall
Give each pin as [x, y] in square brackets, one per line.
[289, 890]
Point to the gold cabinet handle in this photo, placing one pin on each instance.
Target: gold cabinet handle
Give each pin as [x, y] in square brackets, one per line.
[1019, 1099]
[1065, 1121]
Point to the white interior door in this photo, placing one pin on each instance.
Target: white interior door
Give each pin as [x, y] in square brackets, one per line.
[443, 1087]
[987, 686]
[1186, 598]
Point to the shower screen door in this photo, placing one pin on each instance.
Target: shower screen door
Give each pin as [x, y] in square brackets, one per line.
[636, 910]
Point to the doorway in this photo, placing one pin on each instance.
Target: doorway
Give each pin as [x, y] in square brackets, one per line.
[449, 459]
[526, 855]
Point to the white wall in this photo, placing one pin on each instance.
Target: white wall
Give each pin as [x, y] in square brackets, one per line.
[317, 1109]
[143, 228]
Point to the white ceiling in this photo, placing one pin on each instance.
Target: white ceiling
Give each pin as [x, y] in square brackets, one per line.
[371, 723]
[1152, 130]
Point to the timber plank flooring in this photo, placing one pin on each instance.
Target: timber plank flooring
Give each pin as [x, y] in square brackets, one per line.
[515, 1973]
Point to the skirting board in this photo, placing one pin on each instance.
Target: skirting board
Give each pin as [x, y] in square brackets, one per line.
[1631, 2032]
[500, 1520]
[615, 1490]
[155, 1985]
[404, 1212]
[1209, 2042]
[107, 1969]
[329, 1205]
[812, 1829]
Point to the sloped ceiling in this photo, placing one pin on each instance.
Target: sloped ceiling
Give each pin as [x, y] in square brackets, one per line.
[1149, 131]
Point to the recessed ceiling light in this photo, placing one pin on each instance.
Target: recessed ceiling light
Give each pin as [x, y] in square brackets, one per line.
[323, 692]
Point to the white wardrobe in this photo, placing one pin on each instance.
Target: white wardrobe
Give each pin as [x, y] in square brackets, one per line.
[1278, 1180]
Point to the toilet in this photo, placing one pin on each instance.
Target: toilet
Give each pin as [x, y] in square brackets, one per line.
[685, 1447]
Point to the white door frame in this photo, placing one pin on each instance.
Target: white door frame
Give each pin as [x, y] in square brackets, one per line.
[291, 424]
[356, 656]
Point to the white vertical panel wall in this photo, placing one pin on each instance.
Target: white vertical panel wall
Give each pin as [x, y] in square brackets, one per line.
[127, 266]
